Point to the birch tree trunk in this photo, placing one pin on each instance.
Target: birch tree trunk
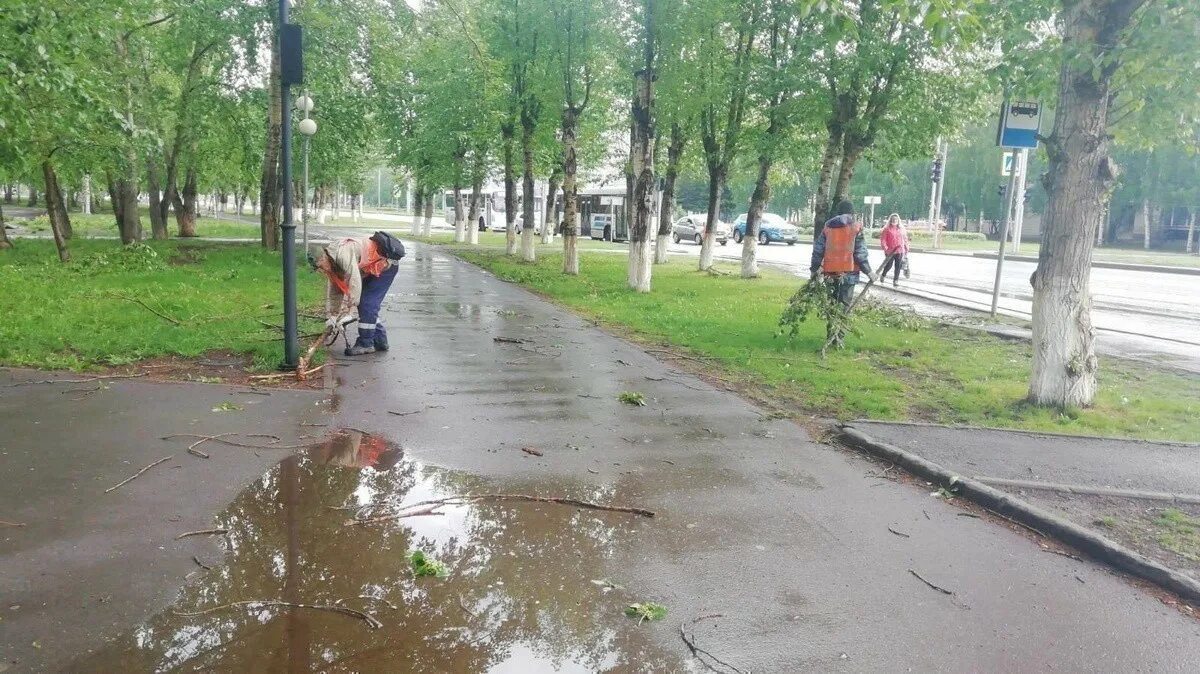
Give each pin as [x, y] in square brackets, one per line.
[1078, 180]
[1145, 224]
[528, 207]
[758, 201]
[507, 133]
[1191, 236]
[4, 242]
[427, 224]
[666, 216]
[59, 220]
[185, 205]
[418, 202]
[473, 213]
[269, 195]
[570, 189]
[716, 183]
[642, 163]
[550, 223]
[158, 223]
[460, 232]
[821, 205]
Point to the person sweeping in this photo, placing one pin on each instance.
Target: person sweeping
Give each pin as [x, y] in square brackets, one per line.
[839, 255]
[360, 270]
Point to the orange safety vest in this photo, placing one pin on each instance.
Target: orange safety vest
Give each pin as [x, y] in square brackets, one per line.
[839, 249]
[371, 263]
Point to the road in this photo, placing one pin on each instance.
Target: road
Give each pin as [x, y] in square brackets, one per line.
[1142, 314]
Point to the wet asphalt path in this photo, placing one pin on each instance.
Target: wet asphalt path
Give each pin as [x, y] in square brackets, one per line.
[787, 539]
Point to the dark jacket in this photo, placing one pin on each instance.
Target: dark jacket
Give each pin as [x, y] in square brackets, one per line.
[860, 246]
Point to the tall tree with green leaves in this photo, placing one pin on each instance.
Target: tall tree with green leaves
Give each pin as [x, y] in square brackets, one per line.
[726, 32]
[1116, 57]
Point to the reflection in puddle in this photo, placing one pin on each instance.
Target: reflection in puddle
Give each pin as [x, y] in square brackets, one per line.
[519, 596]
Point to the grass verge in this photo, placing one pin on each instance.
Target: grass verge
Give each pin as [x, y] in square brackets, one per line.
[103, 225]
[86, 313]
[899, 367]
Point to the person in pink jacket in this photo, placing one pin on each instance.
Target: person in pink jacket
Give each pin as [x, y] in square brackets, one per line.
[894, 241]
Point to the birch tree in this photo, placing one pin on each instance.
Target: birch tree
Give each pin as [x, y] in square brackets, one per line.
[727, 32]
[1114, 54]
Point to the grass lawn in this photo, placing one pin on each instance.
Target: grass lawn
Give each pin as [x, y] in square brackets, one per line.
[103, 225]
[924, 372]
[73, 316]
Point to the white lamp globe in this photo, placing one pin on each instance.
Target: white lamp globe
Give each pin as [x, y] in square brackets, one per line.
[304, 104]
[307, 126]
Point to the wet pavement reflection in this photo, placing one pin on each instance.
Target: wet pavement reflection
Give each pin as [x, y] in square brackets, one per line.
[519, 596]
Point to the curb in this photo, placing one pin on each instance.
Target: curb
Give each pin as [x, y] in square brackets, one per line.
[1089, 542]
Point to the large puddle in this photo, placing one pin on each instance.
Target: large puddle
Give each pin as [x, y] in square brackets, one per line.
[522, 592]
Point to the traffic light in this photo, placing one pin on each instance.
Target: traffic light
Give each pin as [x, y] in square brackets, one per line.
[1003, 190]
[935, 172]
[1028, 193]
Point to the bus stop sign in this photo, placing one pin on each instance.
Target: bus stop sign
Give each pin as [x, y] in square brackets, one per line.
[1019, 124]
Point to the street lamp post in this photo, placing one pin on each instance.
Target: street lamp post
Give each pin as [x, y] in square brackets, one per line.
[307, 127]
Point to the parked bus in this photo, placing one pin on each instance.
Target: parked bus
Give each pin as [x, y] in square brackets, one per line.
[491, 212]
[602, 214]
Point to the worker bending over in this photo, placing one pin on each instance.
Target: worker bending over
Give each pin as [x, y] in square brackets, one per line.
[360, 271]
[840, 253]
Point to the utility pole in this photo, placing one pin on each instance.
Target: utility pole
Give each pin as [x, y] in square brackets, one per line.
[291, 70]
[379, 189]
[1021, 164]
[1008, 207]
[936, 180]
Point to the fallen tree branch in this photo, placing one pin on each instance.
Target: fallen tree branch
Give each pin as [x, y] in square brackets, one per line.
[431, 510]
[77, 381]
[371, 620]
[200, 563]
[936, 587]
[460, 500]
[233, 443]
[147, 307]
[204, 455]
[202, 532]
[697, 652]
[6, 523]
[138, 474]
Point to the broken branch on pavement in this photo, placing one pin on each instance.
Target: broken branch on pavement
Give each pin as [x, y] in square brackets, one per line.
[371, 620]
[434, 504]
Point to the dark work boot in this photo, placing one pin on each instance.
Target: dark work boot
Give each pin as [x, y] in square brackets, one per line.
[381, 343]
[364, 344]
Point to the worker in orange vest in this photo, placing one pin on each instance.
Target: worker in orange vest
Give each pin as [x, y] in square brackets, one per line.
[360, 271]
[840, 253]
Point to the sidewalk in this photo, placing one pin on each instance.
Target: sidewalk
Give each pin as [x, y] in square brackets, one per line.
[1142, 495]
[815, 558]
[79, 566]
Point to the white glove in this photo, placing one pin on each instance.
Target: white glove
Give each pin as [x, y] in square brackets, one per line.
[339, 322]
[874, 276]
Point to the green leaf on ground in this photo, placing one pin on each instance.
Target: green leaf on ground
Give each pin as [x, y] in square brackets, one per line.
[423, 565]
[227, 407]
[632, 398]
[646, 611]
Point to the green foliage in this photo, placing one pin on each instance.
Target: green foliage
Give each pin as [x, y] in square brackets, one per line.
[927, 372]
[813, 298]
[80, 315]
[646, 611]
[423, 565]
[632, 398]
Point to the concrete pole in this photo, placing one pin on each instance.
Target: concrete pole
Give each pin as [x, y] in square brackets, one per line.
[937, 203]
[1008, 204]
[933, 193]
[1021, 163]
[379, 189]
